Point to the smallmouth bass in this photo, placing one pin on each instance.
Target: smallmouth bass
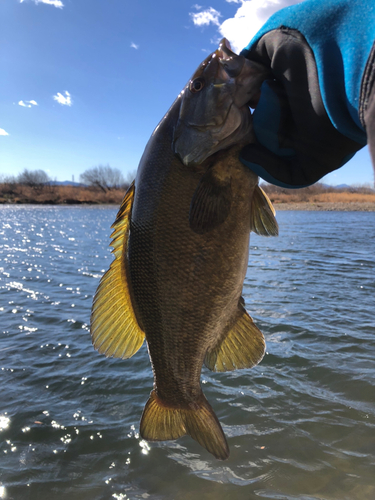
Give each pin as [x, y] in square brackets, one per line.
[181, 243]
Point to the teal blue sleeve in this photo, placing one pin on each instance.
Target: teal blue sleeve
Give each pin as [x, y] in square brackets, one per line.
[341, 34]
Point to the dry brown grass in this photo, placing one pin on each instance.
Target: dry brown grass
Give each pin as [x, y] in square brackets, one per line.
[324, 198]
[320, 194]
[58, 195]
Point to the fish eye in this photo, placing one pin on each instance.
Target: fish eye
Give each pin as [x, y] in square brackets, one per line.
[196, 85]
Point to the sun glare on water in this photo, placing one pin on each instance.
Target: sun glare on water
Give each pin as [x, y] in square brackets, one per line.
[4, 424]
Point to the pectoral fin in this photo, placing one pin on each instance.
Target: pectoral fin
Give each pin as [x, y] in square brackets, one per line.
[242, 347]
[211, 202]
[263, 221]
[114, 327]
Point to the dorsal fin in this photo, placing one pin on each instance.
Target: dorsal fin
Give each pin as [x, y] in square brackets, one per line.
[242, 347]
[262, 219]
[114, 327]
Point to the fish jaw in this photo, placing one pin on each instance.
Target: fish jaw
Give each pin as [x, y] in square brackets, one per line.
[214, 112]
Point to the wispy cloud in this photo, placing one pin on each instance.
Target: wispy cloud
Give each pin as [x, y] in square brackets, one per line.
[134, 45]
[63, 100]
[3, 132]
[28, 104]
[55, 3]
[205, 17]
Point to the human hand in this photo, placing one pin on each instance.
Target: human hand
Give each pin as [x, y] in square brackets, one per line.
[297, 142]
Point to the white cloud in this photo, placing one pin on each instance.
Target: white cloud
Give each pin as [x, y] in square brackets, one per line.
[3, 132]
[28, 104]
[249, 18]
[63, 100]
[205, 17]
[55, 3]
[134, 46]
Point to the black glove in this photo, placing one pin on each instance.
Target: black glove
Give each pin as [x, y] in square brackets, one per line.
[298, 144]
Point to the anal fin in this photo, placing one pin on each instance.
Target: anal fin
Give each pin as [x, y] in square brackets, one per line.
[114, 327]
[242, 347]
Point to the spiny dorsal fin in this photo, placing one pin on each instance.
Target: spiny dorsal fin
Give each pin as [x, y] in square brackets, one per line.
[263, 220]
[114, 327]
[242, 347]
[211, 202]
[161, 422]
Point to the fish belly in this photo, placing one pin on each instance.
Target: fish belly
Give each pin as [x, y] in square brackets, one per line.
[186, 285]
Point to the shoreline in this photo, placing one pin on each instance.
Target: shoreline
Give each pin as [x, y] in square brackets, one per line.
[352, 206]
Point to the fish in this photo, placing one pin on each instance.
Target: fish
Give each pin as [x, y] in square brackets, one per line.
[181, 243]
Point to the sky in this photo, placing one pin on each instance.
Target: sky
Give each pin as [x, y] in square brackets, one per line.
[85, 82]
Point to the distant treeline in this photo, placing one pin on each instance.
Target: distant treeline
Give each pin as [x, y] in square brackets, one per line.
[103, 184]
[320, 193]
[102, 177]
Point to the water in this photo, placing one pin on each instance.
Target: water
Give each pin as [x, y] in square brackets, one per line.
[299, 425]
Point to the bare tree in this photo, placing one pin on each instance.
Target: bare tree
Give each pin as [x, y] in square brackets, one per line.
[103, 177]
[130, 177]
[33, 178]
[7, 179]
[7, 184]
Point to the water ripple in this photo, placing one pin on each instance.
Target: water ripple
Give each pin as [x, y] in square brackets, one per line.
[299, 425]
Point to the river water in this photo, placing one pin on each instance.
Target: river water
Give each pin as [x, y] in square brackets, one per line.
[301, 425]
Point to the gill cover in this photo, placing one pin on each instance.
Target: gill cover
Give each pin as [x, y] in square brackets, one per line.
[214, 111]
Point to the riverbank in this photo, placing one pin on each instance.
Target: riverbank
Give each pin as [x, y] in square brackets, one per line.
[316, 197]
[17, 194]
[327, 206]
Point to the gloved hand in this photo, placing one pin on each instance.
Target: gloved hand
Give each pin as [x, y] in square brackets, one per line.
[298, 144]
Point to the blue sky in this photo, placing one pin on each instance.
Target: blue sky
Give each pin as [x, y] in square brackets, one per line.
[84, 82]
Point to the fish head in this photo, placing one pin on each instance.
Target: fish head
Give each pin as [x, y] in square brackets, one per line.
[214, 111]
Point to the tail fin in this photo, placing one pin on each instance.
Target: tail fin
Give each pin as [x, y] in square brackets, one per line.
[161, 423]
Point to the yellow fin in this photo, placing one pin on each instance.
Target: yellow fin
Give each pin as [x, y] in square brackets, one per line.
[160, 423]
[263, 220]
[114, 327]
[242, 347]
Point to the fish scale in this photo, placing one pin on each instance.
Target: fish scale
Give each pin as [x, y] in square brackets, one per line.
[181, 244]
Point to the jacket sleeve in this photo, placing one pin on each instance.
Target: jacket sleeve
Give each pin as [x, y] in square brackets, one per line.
[308, 119]
[298, 144]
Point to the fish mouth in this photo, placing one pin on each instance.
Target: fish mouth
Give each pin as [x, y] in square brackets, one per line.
[214, 111]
